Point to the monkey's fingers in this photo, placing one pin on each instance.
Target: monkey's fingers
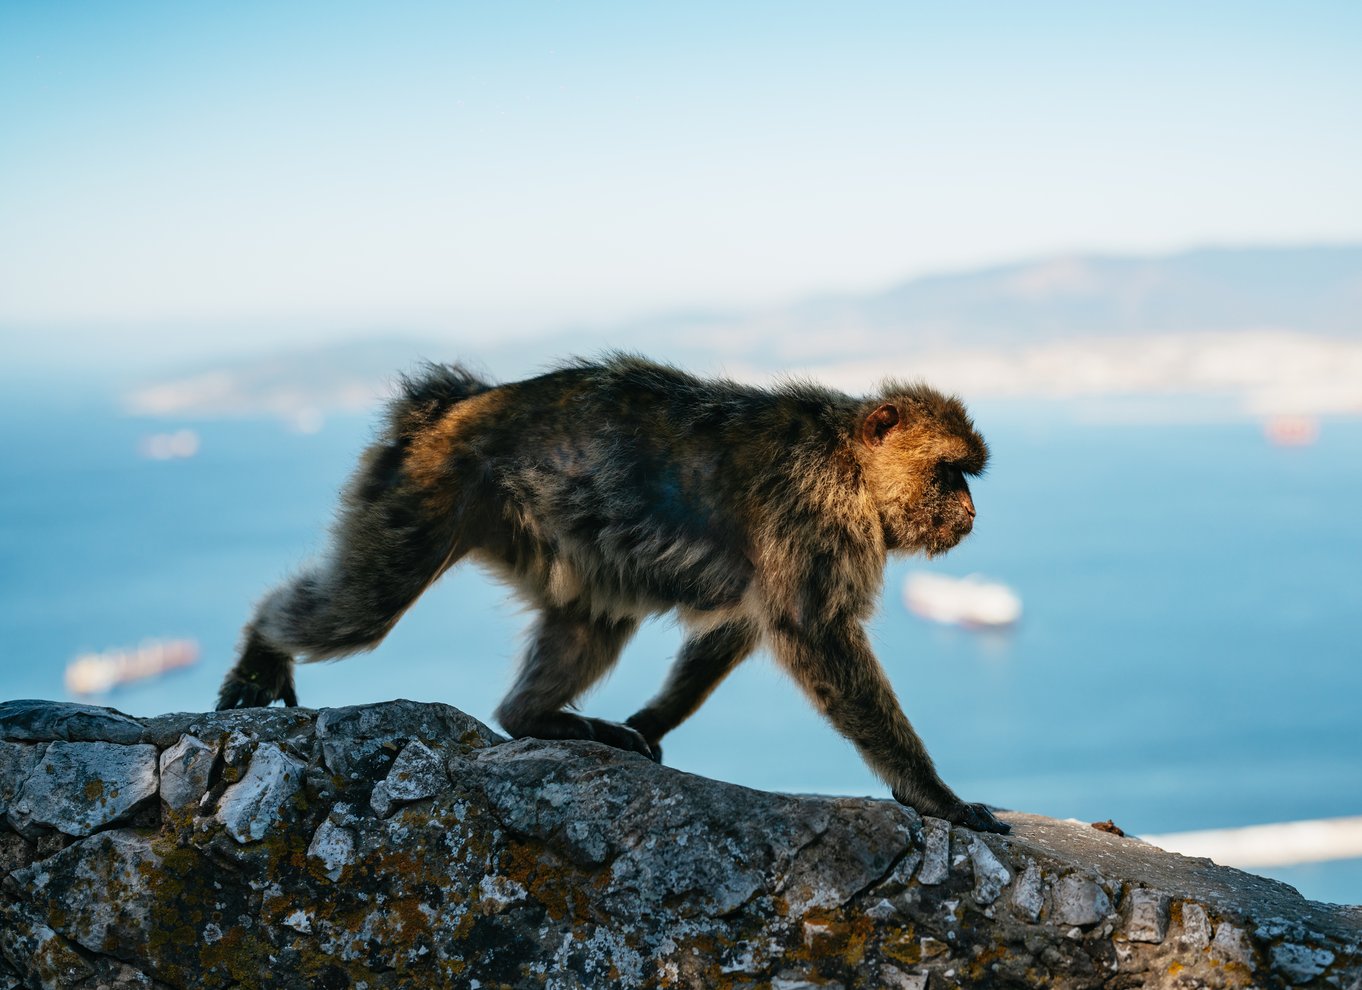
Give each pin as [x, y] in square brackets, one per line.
[237, 692]
[621, 737]
[979, 818]
[241, 694]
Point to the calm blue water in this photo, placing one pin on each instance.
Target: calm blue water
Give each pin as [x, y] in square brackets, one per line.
[1189, 656]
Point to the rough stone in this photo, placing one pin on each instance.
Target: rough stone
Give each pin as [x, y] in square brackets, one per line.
[1231, 944]
[1028, 894]
[1300, 963]
[17, 761]
[43, 721]
[1196, 927]
[334, 846]
[97, 887]
[1147, 915]
[1079, 901]
[534, 864]
[80, 787]
[418, 772]
[936, 851]
[990, 876]
[185, 769]
[250, 806]
[896, 979]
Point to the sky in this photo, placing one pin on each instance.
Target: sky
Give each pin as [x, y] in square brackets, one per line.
[191, 177]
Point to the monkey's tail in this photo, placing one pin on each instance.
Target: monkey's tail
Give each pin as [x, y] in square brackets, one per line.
[389, 542]
[424, 395]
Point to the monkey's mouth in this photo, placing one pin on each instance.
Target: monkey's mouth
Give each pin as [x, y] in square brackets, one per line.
[945, 536]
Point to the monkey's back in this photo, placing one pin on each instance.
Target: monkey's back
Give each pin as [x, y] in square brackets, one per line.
[628, 486]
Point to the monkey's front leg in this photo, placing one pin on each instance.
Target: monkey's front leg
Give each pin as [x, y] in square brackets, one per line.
[839, 672]
[705, 660]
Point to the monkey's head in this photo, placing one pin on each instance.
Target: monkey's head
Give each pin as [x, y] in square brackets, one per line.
[918, 447]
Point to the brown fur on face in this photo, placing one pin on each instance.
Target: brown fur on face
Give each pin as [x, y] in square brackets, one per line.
[918, 448]
[608, 491]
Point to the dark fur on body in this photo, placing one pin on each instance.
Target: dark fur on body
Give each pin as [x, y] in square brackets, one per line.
[606, 492]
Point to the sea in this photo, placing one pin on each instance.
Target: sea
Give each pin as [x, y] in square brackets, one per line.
[1188, 657]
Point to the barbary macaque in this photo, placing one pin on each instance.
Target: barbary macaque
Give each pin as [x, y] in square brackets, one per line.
[609, 491]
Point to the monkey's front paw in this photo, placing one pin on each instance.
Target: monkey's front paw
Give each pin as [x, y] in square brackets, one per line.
[622, 737]
[979, 818]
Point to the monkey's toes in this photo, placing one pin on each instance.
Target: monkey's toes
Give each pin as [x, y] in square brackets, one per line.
[245, 694]
[238, 694]
[637, 723]
[621, 737]
[979, 818]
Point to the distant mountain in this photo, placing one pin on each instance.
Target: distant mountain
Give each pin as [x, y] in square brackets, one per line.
[1314, 290]
[1276, 326]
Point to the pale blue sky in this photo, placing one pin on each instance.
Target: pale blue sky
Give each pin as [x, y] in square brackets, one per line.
[296, 168]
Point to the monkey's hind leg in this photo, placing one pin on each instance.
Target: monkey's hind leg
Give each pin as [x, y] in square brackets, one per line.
[705, 660]
[387, 547]
[569, 651]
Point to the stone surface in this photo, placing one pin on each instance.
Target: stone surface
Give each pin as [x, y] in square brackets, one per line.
[990, 876]
[405, 845]
[1079, 901]
[251, 805]
[1196, 928]
[417, 773]
[80, 787]
[1147, 916]
[185, 769]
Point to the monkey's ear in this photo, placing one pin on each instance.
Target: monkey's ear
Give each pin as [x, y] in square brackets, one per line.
[878, 424]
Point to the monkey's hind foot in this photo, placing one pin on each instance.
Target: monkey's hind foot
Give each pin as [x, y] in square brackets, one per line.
[263, 675]
[566, 725]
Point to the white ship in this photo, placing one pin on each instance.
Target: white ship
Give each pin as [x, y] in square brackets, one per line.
[970, 601]
[95, 673]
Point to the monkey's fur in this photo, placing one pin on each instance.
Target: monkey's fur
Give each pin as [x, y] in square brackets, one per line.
[606, 492]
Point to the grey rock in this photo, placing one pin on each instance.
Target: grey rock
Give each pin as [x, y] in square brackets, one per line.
[573, 865]
[1079, 901]
[1146, 915]
[250, 806]
[80, 787]
[1196, 927]
[17, 761]
[990, 876]
[936, 851]
[894, 978]
[1028, 894]
[97, 888]
[185, 769]
[49, 960]
[418, 772]
[46, 721]
[1300, 963]
[334, 846]
[1231, 944]
[359, 739]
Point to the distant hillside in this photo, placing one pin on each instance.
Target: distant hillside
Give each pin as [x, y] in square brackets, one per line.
[1278, 328]
[1313, 290]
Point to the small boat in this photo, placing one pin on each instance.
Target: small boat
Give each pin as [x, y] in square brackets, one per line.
[970, 601]
[1291, 431]
[177, 446]
[96, 673]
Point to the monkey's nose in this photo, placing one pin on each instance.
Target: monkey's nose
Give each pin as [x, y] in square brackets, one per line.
[968, 503]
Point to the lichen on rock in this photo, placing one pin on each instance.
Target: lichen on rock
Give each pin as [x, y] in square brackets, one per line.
[403, 844]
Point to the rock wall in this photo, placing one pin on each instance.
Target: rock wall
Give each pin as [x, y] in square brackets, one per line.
[407, 845]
